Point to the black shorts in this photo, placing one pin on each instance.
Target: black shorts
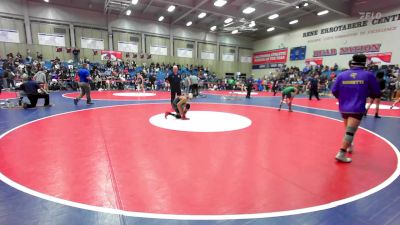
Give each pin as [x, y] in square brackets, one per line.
[357, 116]
[288, 95]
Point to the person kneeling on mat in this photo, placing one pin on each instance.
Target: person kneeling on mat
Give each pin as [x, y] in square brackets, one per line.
[181, 107]
[288, 94]
[31, 88]
[352, 88]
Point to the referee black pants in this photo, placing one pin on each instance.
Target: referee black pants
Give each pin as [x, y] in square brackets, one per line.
[314, 92]
[174, 94]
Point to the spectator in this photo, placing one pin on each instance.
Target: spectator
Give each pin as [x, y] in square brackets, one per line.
[41, 78]
[382, 86]
[194, 85]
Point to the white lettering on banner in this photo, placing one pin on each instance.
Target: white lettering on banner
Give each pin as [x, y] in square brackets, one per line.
[158, 50]
[185, 52]
[245, 59]
[125, 46]
[9, 36]
[92, 43]
[51, 39]
[228, 57]
[208, 55]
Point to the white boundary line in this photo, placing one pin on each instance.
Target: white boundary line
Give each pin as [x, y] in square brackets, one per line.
[330, 205]
[118, 100]
[236, 95]
[330, 110]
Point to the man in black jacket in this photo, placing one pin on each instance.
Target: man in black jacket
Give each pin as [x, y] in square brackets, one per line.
[249, 86]
[313, 87]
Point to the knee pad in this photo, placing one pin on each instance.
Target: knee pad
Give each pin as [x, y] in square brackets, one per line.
[350, 132]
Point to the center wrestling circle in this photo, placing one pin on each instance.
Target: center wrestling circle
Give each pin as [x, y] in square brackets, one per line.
[127, 165]
[202, 121]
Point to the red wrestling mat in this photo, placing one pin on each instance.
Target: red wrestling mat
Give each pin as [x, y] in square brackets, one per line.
[332, 105]
[124, 95]
[240, 93]
[8, 95]
[114, 157]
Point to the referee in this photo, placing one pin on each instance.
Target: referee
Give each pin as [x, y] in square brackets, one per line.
[174, 80]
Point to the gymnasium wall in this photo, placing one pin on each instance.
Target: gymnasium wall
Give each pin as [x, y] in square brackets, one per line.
[126, 37]
[48, 52]
[245, 67]
[212, 48]
[13, 24]
[90, 33]
[387, 34]
[225, 66]
[86, 23]
[159, 41]
[183, 44]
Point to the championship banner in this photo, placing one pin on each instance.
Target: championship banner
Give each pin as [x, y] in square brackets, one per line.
[314, 61]
[110, 55]
[277, 56]
[379, 58]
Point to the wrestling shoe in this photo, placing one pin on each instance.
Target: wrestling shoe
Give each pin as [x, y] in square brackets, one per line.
[341, 156]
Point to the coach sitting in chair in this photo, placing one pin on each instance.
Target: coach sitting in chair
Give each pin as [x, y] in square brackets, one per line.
[32, 88]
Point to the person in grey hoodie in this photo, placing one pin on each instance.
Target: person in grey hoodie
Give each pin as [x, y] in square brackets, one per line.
[41, 78]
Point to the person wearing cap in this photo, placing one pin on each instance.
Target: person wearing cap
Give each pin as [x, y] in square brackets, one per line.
[352, 88]
[181, 106]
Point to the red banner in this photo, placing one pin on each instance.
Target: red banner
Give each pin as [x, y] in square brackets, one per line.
[270, 57]
[314, 61]
[378, 58]
[110, 55]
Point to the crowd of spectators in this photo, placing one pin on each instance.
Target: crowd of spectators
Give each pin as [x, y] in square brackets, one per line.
[57, 75]
[325, 77]
[120, 75]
